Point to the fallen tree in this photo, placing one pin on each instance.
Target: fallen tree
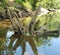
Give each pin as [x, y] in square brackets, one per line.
[19, 12]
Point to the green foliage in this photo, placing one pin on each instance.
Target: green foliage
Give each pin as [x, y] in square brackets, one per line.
[50, 3]
[3, 3]
[32, 4]
[19, 1]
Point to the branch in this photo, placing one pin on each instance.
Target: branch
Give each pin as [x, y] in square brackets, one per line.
[19, 24]
[38, 33]
[16, 24]
[32, 22]
[41, 27]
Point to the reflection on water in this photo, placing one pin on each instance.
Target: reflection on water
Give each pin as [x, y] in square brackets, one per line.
[16, 44]
[21, 41]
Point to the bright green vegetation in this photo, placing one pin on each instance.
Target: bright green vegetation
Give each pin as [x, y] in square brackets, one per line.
[32, 4]
[34, 23]
[52, 20]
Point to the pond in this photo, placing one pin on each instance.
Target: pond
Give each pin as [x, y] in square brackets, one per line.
[46, 44]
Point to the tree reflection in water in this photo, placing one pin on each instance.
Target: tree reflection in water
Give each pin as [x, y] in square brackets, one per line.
[8, 46]
[21, 41]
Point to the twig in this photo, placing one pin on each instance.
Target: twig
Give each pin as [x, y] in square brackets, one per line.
[32, 23]
[44, 32]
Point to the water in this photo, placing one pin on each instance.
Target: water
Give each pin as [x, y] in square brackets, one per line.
[16, 44]
[46, 44]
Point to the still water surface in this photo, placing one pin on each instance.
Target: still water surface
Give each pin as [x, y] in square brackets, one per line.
[16, 44]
